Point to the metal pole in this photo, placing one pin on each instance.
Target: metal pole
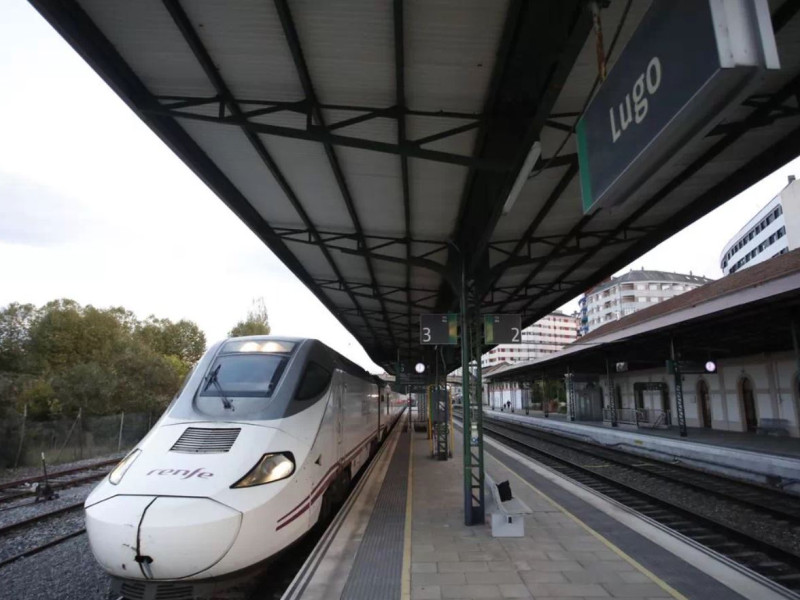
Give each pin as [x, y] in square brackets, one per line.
[570, 385]
[466, 400]
[122, 422]
[612, 402]
[478, 517]
[80, 432]
[678, 390]
[545, 404]
[21, 435]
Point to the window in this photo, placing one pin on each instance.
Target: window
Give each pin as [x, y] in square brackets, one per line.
[245, 375]
[315, 381]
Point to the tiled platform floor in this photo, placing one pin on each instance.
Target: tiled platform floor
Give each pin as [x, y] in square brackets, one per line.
[557, 558]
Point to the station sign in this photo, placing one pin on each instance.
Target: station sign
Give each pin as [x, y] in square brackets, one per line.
[502, 329]
[438, 330]
[686, 63]
[689, 367]
[406, 373]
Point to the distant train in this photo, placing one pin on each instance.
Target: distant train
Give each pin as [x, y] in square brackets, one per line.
[260, 443]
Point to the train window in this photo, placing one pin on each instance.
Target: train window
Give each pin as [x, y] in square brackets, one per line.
[315, 381]
[246, 375]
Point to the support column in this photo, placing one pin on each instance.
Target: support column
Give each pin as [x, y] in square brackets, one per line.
[570, 386]
[678, 391]
[795, 381]
[612, 404]
[545, 403]
[473, 410]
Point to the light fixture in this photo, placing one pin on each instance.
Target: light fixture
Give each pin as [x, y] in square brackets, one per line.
[419, 368]
[522, 176]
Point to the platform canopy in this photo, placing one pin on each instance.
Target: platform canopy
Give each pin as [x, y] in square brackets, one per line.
[373, 144]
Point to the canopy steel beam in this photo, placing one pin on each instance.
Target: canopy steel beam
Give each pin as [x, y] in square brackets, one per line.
[784, 151]
[293, 40]
[78, 29]
[400, 101]
[204, 59]
[323, 134]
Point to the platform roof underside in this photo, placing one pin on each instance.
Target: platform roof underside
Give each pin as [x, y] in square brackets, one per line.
[369, 143]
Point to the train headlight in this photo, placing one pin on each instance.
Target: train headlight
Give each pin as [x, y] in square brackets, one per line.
[271, 467]
[119, 471]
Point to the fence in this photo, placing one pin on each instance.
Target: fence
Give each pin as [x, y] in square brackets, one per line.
[22, 440]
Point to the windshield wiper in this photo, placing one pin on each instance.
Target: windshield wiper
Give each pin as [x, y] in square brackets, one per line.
[212, 378]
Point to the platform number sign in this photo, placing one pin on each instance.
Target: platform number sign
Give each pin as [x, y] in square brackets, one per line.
[502, 329]
[438, 330]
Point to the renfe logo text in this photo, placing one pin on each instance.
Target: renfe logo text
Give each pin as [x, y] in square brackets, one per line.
[183, 473]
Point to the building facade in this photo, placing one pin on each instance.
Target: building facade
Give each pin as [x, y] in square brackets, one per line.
[546, 336]
[622, 296]
[766, 234]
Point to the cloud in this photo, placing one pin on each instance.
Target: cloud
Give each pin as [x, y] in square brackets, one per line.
[36, 215]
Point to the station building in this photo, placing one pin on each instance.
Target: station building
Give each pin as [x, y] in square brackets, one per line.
[746, 324]
[621, 296]
[773, 230]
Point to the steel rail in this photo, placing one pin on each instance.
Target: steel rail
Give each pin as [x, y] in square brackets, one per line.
[772, 562]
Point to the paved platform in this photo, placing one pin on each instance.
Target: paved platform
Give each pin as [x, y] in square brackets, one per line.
[760, 458]
[401, 535]
[766, 444]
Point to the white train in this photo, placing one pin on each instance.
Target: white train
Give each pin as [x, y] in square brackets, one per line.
[261, 441]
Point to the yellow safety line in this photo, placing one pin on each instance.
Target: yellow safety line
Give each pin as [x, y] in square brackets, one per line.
[618, 551]
[405, 586]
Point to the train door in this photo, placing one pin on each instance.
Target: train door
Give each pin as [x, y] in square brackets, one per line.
[705, 404]
[748, 403]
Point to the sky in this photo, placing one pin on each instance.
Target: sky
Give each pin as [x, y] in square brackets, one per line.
[95, 208]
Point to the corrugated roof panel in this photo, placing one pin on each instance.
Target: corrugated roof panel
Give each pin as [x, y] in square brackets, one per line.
[349, 48]
[146, 36]
[374, 182]
[308, 171]
[451, 46]
[236, 157]
[248, 47]
[436, 190]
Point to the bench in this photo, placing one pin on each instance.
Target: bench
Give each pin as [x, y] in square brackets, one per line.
[773, 427]
[508, 518]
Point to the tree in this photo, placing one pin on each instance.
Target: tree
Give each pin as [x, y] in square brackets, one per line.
[65, 357]
[64, 334]
[15, 323]
[256, 323]
[182, 339]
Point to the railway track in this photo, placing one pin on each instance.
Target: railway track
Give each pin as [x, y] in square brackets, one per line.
[778, 505]
[590, 466]
[22, 488]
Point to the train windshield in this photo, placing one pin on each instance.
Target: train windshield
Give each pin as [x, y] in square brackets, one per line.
[246, 375]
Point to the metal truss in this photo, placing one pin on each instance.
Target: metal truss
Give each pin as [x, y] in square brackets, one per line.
[293, 40]
[223, 92]
[359, 245]
[180, 107]
[765, 108]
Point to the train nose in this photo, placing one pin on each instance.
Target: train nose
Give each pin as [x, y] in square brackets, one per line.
[146, 537]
